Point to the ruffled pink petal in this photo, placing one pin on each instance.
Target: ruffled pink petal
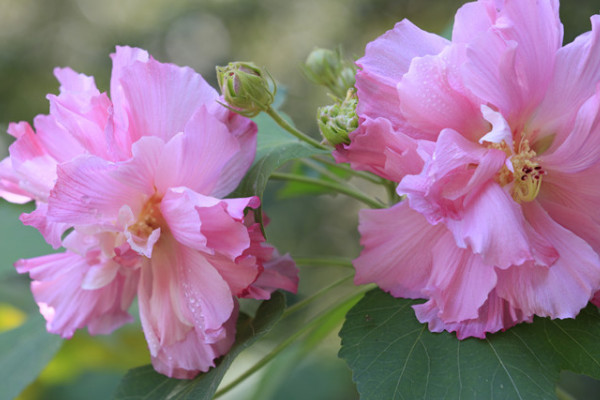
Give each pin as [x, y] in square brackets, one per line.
[152, 98]
[398, 250]
[581, 148]
[457, 169]
[55, 139]
[90, 190]
[564, 288]
[205, 223]
[492, 223]
[279, 273]
[433, 97]
[83, 111]
[66, 305]
[376, 147]
[494, 315]
[196, 158]
[185, 359]
[511, 65]
[386, 60]
[576, 73]
[460, 281]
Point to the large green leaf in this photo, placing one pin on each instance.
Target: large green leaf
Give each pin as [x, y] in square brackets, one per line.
[274, 148]
[393, 356]
[145, 383]
[24, 352]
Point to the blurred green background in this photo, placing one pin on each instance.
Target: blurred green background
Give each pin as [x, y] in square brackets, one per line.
[38, 35]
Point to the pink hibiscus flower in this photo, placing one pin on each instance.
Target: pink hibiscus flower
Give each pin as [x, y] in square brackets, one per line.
[140, 180]
[494, 138]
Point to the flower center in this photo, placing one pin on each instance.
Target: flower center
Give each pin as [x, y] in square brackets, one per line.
[149, 219]
[526, 174]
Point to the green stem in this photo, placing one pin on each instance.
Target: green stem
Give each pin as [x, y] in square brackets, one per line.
[301, 304]
[283, 345]
[322, 170]
[302, 136]
[361, 174]
[330, 185]
[325, 261]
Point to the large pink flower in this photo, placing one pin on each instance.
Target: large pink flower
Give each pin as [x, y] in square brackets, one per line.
[140, 180]
[494, 138]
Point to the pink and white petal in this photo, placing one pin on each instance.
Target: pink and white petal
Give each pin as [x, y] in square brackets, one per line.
[495, 314]
[398, 250]
[433, 97]
[581, 148]
[492, 223]
[500, 132]
[386, 60]
[376, 147]
[564, 288]
[576, 73]
[185, 359]
[90, 190]
[51, 231]
[197, 157]
[460, 281]
[66, 305]
[155, 99]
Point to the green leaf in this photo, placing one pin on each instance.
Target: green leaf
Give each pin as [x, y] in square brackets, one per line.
[24, 352]
[294, 189]
[393, 356]
[145, 383]
[274, 148]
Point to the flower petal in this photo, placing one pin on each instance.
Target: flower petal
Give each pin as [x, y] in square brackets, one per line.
[397, 255]
[460, 281]
[433, 97]
[576, 73]
[386, 59]
[564, 288]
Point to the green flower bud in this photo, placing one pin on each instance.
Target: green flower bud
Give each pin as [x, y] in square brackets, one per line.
[328, 68]
[336, 121]
[246, 88]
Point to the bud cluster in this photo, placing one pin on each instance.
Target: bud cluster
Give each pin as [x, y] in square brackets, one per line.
[336, 121]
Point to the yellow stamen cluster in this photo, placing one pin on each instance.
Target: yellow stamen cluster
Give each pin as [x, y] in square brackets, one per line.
[149, 219]
[526, 175]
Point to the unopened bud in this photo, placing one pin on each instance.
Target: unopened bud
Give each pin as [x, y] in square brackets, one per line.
[246, 88]
[336, 121]
[328, 68]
